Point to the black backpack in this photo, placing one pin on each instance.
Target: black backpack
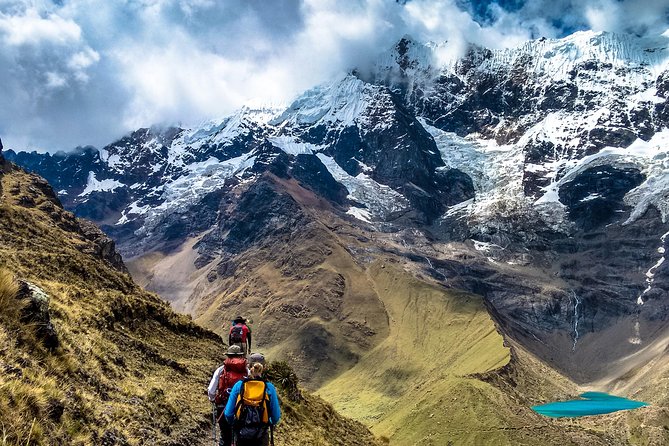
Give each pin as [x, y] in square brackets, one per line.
[237, 333]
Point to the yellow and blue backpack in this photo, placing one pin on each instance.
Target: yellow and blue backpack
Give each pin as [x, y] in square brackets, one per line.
[251, 414]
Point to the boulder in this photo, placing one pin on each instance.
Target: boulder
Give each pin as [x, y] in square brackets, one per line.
[36, 313]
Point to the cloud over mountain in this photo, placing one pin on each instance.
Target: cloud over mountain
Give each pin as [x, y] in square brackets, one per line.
[84, 71]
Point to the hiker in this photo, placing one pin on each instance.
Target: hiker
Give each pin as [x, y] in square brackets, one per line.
[240, 334]
[234, 369]
[253, 408]
[256, 357]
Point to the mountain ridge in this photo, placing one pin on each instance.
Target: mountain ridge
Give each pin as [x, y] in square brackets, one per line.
[534, 177]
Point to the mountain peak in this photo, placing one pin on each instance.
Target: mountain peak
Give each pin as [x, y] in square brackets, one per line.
[340, 100]
[407, 57]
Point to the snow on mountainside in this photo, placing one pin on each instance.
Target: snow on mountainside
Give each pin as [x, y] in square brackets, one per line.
[574, 89]
[556, 58]
[186, 165]
[339, 102]
[626, 59]
[189, 166]
[94, 185]
[547, 103]
[549, 158]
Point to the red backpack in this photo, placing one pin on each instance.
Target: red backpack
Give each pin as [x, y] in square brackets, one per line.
[235, 370]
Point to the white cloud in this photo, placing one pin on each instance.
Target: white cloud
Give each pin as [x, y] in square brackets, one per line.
[603, 16]
[85, 71]
[55, 80]
[635, 16]
[32, 29]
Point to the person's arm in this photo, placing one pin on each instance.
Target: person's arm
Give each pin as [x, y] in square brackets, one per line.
[232, 402]
[274, 407]
[213, 384]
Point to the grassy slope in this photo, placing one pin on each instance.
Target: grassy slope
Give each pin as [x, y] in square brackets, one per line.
[314, 422]
[443, 376]
[129, 370]
[415, 380]
[128, 367]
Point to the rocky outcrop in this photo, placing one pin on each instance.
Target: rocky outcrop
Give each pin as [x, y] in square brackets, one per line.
[595, 197]
[103, 246]
[35, 311]
[370, 132]
[261, 213]
[309, 171]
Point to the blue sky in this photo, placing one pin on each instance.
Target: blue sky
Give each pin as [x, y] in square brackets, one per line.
[76, 72]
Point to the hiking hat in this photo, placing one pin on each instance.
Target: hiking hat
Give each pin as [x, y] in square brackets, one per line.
[234, 350]
[256, 357]
[239, 319]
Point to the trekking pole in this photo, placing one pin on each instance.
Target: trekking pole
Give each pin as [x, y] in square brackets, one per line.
[271, 434]
[213, 423]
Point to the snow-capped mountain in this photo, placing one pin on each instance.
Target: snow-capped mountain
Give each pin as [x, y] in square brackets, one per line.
[536, 176]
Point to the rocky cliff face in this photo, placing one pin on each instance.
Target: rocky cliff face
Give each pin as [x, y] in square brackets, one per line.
[534, 176]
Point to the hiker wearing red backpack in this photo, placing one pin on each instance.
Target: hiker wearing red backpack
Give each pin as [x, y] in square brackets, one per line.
[240, 334]
[234, 369]
[253, 407]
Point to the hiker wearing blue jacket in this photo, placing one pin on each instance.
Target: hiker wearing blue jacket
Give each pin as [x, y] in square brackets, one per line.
[253, 427]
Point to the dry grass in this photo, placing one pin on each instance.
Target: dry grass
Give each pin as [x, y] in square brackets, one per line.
[128, 367]
[10, 308]
[313, 421]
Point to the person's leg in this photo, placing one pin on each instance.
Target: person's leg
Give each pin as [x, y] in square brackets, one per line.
[221, 432]
[226, 433]
[225, 430]
[265, 439]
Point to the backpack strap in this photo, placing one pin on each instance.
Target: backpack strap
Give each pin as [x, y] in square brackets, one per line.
[240, 399]
[263, 402]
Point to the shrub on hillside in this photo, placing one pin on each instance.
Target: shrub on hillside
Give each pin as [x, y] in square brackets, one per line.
[282, 375]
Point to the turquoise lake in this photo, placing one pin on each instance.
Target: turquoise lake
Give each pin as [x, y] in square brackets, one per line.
[592, 403]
